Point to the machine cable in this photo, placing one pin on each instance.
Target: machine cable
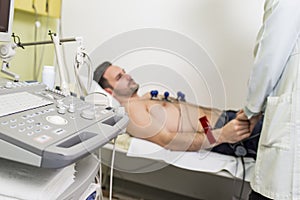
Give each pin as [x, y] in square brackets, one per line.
[82, 59]
[244, 176]
[112, 169]
[98, 178]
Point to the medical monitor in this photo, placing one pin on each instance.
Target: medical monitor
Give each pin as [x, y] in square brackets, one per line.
[6, 19]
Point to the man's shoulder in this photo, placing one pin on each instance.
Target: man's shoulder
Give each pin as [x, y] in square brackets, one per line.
[134, 104]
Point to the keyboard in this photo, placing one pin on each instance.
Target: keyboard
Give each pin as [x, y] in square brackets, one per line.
[20, 101]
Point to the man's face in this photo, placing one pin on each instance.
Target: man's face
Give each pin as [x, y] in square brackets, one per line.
[122, 83]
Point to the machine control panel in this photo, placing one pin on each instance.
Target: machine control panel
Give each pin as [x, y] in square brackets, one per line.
[44, 128]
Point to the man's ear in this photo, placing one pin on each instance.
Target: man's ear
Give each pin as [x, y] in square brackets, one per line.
[109, 90]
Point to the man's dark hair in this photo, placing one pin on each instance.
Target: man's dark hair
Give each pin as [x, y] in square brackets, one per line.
[98, 75]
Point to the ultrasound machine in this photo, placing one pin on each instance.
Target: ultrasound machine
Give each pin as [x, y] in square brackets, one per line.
[48, 128]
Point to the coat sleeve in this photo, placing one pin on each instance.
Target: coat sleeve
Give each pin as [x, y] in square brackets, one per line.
[275, 43]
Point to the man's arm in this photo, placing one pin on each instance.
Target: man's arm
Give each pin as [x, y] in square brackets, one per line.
[232, 132]
[146, 126]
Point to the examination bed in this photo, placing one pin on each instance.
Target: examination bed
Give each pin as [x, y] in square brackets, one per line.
[146, 55]
[200, 175]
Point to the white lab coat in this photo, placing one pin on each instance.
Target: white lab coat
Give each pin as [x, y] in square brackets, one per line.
[274, 85]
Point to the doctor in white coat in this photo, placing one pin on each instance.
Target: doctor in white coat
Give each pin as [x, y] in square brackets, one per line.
[274, 89]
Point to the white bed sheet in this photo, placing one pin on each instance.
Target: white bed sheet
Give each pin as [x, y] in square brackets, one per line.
[204, 160]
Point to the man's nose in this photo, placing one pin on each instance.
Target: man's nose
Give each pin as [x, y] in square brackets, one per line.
[127, 76]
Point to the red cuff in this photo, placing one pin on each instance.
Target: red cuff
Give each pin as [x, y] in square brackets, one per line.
[207, 130]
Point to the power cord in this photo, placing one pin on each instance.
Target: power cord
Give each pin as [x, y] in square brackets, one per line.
[112, 169]
[99, 176]
[236, 179]
[60, 29]
[36, 26]
[244, 176]
[42, 53]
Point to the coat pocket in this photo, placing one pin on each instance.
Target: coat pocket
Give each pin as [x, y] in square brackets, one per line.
[277, 122]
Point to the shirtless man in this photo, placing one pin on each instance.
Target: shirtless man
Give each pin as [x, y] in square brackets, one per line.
[169, 123]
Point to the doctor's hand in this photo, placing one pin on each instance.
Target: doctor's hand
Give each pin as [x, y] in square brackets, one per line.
[241, 116]
[235, 131]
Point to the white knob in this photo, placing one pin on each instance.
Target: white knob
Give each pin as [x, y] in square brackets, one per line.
[61, 110]
[57, 120]
[71, 108]
[60, 104]
[8, 85]
[88, 114]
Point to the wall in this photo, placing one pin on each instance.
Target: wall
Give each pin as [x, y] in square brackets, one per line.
[226, 30]
[24, 25]
[41, 7]
[23, 62]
